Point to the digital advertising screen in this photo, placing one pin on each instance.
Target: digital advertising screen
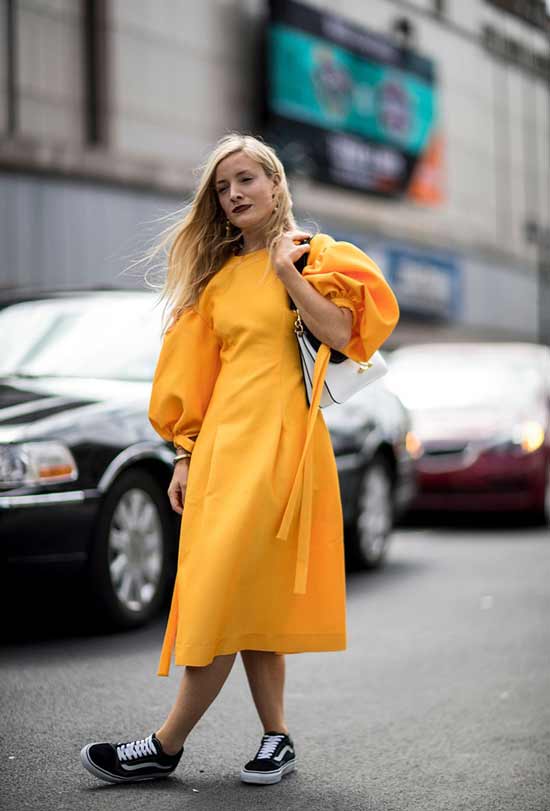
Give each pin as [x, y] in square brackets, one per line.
[347, 106]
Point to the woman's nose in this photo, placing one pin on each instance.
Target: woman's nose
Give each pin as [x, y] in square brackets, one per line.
[235, 194]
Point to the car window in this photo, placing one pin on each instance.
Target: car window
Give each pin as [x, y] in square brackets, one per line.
[113, 338]
[21, 326]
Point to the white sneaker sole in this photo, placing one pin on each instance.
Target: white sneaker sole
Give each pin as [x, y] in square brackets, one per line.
[113, 778]
[264, 778]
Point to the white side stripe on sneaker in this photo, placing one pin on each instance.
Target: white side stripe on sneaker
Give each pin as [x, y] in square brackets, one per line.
[150, 764]
[281, 755]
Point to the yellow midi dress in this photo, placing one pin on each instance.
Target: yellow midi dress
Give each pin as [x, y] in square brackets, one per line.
[261, 552]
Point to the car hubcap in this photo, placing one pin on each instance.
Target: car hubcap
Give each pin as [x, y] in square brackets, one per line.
[375, 513]
[135, 549]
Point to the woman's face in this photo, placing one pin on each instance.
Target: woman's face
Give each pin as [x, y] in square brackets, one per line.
[245, 192]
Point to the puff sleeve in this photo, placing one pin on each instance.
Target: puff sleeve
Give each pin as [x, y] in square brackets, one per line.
[348, 277]
[184, 379]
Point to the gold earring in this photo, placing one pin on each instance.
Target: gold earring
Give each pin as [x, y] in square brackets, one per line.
[227, 228]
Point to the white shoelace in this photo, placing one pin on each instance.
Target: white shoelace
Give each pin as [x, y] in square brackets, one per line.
[135, 749]
[269, 744]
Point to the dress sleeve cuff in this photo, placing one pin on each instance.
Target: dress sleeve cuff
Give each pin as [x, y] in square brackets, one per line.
[184, 442]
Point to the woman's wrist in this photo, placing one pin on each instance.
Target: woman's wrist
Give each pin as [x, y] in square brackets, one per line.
[182, 454]
[286, 270]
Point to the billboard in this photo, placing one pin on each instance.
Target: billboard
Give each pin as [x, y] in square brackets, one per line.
[347, 106]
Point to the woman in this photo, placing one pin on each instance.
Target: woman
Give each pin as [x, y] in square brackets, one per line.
[261, 556]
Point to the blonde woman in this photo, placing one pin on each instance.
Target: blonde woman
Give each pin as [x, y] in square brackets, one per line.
[261, 555]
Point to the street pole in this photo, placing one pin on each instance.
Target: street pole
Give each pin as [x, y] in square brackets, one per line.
[540, 238]
[544, 289]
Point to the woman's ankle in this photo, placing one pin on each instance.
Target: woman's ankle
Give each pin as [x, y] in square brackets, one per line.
[280, 729]
[169, 746]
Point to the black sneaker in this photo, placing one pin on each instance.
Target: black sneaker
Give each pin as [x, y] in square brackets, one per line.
[127, 762]
[273, 760]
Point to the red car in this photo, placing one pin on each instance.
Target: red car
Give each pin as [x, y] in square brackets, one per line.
[481, 413]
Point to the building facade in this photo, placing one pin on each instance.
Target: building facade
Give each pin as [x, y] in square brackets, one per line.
[109, 107]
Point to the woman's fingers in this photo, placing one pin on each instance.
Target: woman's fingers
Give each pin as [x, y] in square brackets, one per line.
[176, 494]
[175, 501]
[298, 234]
[288, 251]
[299, 251]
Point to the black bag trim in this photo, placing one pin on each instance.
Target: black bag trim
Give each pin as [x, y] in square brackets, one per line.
[335, 355]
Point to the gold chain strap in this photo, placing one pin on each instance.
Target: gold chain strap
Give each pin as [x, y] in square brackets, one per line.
[298, 324]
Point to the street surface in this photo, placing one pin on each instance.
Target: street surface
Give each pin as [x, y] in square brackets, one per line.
[441, 701]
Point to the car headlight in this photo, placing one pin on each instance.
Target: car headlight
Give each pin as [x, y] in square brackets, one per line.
[413, 445]
[36, 463]
[530, 435]
[526, 437]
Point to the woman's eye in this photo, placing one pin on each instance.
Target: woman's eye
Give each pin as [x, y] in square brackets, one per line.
[223, 189]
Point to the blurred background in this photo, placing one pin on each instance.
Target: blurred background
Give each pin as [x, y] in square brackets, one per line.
[419, 129]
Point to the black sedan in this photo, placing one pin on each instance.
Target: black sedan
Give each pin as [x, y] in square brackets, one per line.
[375, 451]
[83, 475]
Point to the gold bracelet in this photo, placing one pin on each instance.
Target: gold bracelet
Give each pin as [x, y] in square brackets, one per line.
[185, 455]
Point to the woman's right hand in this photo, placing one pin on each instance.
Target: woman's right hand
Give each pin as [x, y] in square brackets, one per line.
[287, 251]
[178, 485]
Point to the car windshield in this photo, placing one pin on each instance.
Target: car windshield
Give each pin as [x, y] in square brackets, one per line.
[462, 378]
[109, 336]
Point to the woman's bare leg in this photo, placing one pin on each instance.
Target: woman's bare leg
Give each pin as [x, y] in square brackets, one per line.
[198, 688]
[265, 671]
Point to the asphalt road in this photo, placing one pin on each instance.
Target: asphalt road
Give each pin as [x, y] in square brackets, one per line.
[441, 701]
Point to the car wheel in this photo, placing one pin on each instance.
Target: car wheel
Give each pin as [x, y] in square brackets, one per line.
[132, 557]
[374, 520]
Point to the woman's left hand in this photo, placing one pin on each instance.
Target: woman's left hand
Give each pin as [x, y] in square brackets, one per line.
[287, 252]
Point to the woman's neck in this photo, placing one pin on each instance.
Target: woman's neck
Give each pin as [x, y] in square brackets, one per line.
[252, 242]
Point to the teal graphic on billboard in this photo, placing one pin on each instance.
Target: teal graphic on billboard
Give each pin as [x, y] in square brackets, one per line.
[323, 84]
[344, 104]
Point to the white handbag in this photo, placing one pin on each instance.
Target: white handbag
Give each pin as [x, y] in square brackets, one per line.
[344, 376]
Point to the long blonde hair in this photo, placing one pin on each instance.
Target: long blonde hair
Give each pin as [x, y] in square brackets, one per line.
[198, 245]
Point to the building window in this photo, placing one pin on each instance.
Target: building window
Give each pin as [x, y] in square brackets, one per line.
[48, 71]
[8, 98]
[95, 72]
[534, 12]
